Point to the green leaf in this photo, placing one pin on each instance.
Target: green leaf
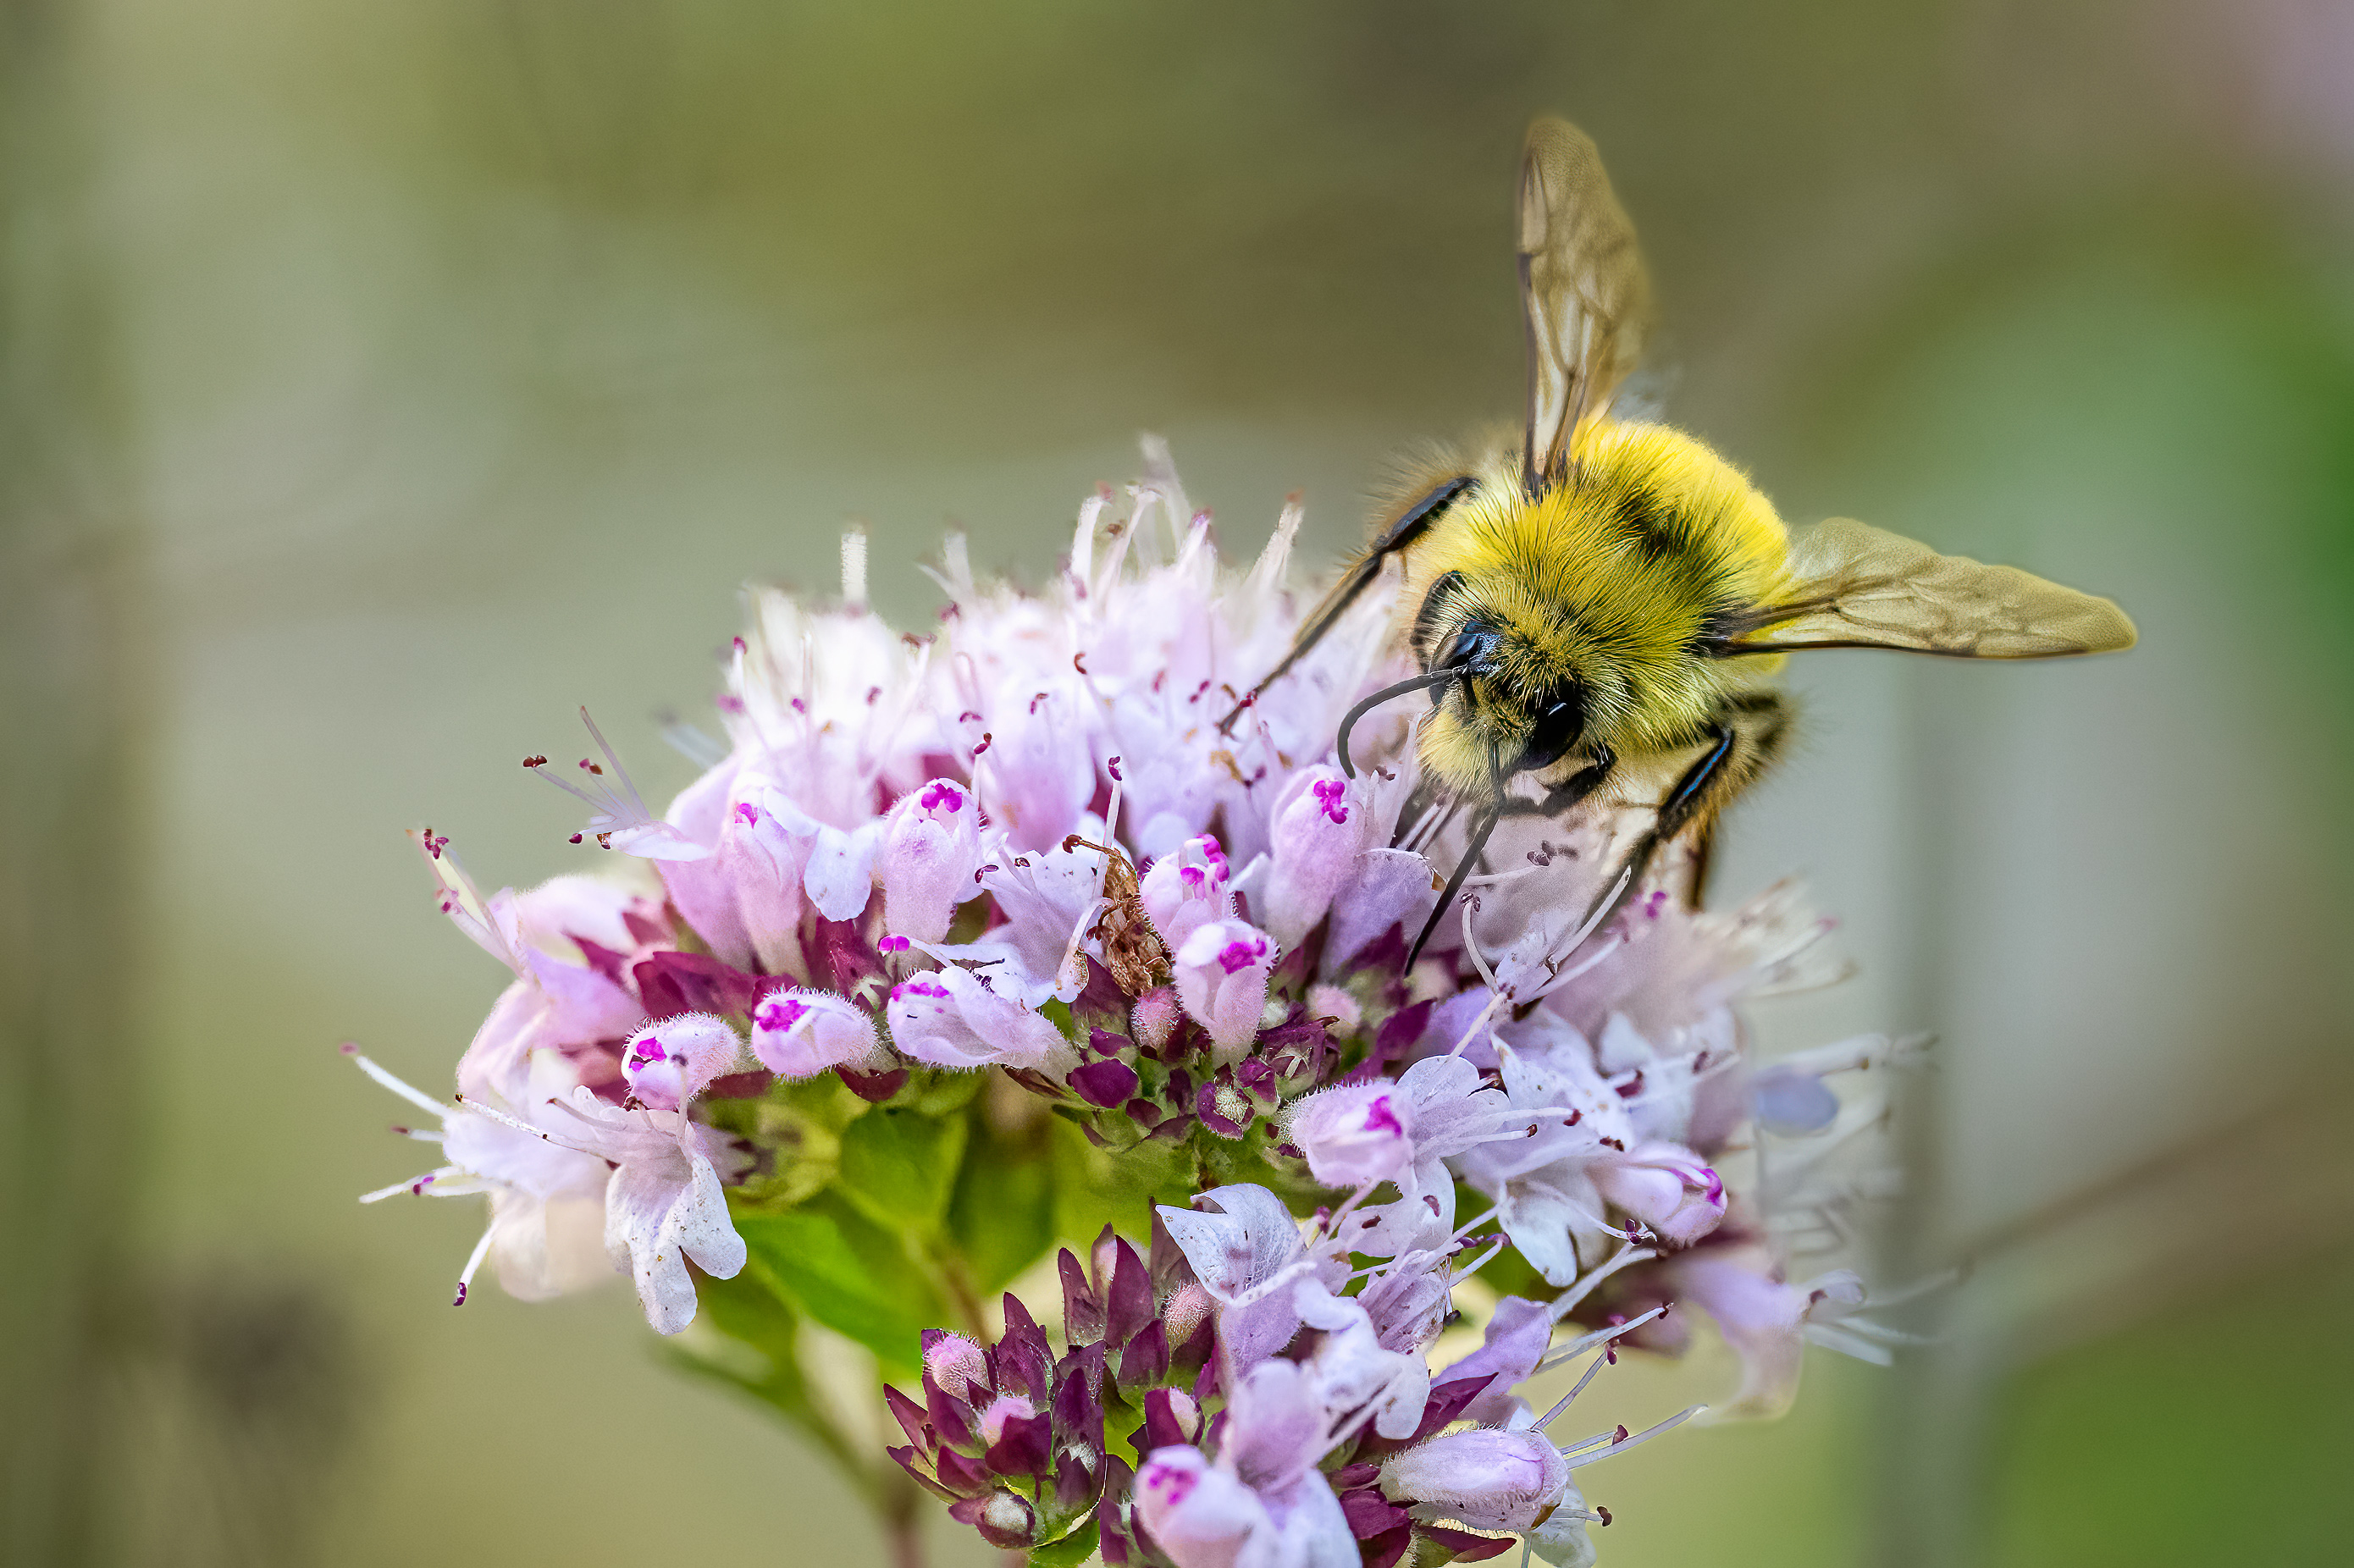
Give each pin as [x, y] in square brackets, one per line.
[1094, 1189]
[900, 1165]
[1002, 1217]
[1073, 1548]
[850, 1274]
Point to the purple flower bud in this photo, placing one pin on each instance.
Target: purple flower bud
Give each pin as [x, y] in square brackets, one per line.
[1170, 1418]
[950, 1018]
[1127, 1302]
[1083, 1309]
[1222, 973]
[1107, 1083]
[1200, 1516]
[956, 1366]
[1187, 889]
[799, 1034]
[1355, 1134]
[1667, 1187]
[931, 847]
[669, 1062]
[1489, 1478]
[1005, 1518]
[1319, 827]
[1021, 1441]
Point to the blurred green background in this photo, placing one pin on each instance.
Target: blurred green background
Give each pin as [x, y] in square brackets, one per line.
[384, 378]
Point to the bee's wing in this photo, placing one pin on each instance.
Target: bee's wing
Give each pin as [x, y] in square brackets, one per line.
[1861, 587]
[1582, 291]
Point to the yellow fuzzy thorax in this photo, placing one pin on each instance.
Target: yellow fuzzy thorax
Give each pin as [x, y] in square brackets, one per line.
[1610, 579]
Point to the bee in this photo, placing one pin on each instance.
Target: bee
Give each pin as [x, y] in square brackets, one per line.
[1604, 604]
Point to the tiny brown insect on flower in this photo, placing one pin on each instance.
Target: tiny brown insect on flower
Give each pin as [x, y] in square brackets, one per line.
[1133, 951]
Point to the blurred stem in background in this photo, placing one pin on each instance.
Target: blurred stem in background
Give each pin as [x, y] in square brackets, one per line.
[71, 708]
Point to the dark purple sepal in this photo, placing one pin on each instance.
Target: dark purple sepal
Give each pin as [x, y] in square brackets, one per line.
[670, 983]
[1145, 1361]
[905, 1458]
[1386, 951]
[1083, 1311]
[1349, 1477]
[1024, 1446]
[1075, 1484]
[1161, 1429]
[604, 961]
[1127, 1304]
[873, 1088]
[1399, 1031]
[911, 1418]
[1205, 1105]
[1114, 1542]
[1371, 1514]
[1024, 1361]
[1105, 1084]
[1036, 1082]
[644, 932]
[951, 1418]
[964, 1477]
[1101, 994]
[1468, 1547]
[1078, 1398]
[739, 1085]
[1384, 1551]
[1104, 1043]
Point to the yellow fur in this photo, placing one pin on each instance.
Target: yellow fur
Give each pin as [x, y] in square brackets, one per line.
[1609, 580]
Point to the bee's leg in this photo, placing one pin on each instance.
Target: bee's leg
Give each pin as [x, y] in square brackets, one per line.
[1746, 736]
[1570, 792]
[1472, 850]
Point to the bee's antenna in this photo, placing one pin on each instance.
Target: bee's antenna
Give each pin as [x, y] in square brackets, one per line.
[1419, 682]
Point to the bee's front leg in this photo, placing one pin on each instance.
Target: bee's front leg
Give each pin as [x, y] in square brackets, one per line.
[1746, 736]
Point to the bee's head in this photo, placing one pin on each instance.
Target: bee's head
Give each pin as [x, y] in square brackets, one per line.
[1517, 702]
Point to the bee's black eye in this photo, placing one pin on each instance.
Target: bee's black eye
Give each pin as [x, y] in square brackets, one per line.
[1560, 722]
[1471, 649]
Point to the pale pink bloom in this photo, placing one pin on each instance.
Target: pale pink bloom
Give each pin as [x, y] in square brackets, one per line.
[546, 1200]
[1187, 889]
[1050, 899]
[951, 1018]
[1664, 1186]
[1387, 888]
[1353, 1371]
[1513, 1343]
[1402, 1130]
[1245, 1249]
[1321, 825]
[672, 1060]
[1768, 1322]
[799, 1034]
[664, 1202]
[1488, 1478]
[1199, 1515]
[932, 850]
[1357, 1134]
[956, 1364]
[1039, 773]
[1263, 1503]
[1221, 974]
[746, 898]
